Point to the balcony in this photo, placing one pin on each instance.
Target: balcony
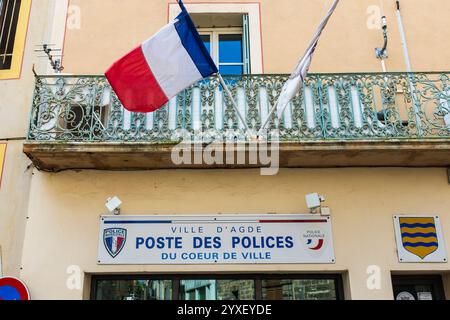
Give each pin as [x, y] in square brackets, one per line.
[337, 120]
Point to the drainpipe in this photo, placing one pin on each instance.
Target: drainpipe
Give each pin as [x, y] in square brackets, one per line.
[416, 105]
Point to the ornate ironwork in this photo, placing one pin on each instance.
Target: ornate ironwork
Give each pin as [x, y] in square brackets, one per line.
[330, 106]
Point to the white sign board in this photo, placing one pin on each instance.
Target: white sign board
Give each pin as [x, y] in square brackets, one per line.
[218, 239]
[419, 239]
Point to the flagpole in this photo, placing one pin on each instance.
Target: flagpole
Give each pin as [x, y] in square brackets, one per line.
[225, 87]
[275, 107]
[310, 48]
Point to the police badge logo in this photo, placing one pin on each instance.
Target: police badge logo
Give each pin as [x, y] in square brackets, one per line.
[114, 240]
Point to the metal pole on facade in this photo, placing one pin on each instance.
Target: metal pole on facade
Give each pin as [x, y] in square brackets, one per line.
[303, 64]
[408, 68]
[403, 38]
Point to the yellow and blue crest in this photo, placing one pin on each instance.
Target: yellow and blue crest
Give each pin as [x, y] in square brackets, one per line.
[419, 235]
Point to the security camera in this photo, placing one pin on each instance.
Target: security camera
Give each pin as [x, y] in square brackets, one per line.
[313, 201]
[113, 205]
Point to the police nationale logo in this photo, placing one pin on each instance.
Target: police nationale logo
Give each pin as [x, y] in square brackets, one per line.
[314, 239]
[314, 245]
[419, 236]
[114, 240]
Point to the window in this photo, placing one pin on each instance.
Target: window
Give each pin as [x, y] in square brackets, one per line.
[226, 37]
[9, 18]
[245, 17]
[13, 25]
[303, 289]
[417, 287]
[226, 47]
[219, 287]
[134, 290]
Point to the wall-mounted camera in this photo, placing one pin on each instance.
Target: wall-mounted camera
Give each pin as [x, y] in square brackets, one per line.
[113, 205]
[314, 203]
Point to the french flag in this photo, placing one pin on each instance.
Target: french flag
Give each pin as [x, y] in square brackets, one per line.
[169, 62]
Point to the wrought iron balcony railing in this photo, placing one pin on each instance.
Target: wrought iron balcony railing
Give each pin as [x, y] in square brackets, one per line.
[330, 106]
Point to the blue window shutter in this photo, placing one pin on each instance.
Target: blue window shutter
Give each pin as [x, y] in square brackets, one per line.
[246, 44]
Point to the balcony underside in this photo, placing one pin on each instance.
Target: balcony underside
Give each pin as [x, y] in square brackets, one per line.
[57, 156]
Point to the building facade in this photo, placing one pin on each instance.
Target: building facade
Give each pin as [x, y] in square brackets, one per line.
[25, 27]
[375, 144]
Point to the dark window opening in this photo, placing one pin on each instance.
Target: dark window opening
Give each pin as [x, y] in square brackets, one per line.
[417, 287]
[9, 18]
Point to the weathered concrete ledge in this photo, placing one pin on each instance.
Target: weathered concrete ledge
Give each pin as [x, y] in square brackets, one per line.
[57, 156]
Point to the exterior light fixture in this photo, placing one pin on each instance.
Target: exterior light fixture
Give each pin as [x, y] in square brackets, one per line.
[314, 203]
[113, 205]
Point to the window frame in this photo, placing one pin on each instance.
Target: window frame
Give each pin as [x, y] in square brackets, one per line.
[253, 22]
[19, 42]
[258, 278]
[215, 34]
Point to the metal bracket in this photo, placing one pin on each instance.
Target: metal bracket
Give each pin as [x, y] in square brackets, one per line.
[381, 53]
[55, 63]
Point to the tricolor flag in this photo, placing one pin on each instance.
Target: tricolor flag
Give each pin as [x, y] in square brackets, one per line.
[167, 63]
[296, 80]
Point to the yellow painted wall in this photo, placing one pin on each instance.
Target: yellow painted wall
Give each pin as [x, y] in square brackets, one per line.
[15, 101]
[64, 208]
[64, 215]
[347, 45]
[13, 207]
